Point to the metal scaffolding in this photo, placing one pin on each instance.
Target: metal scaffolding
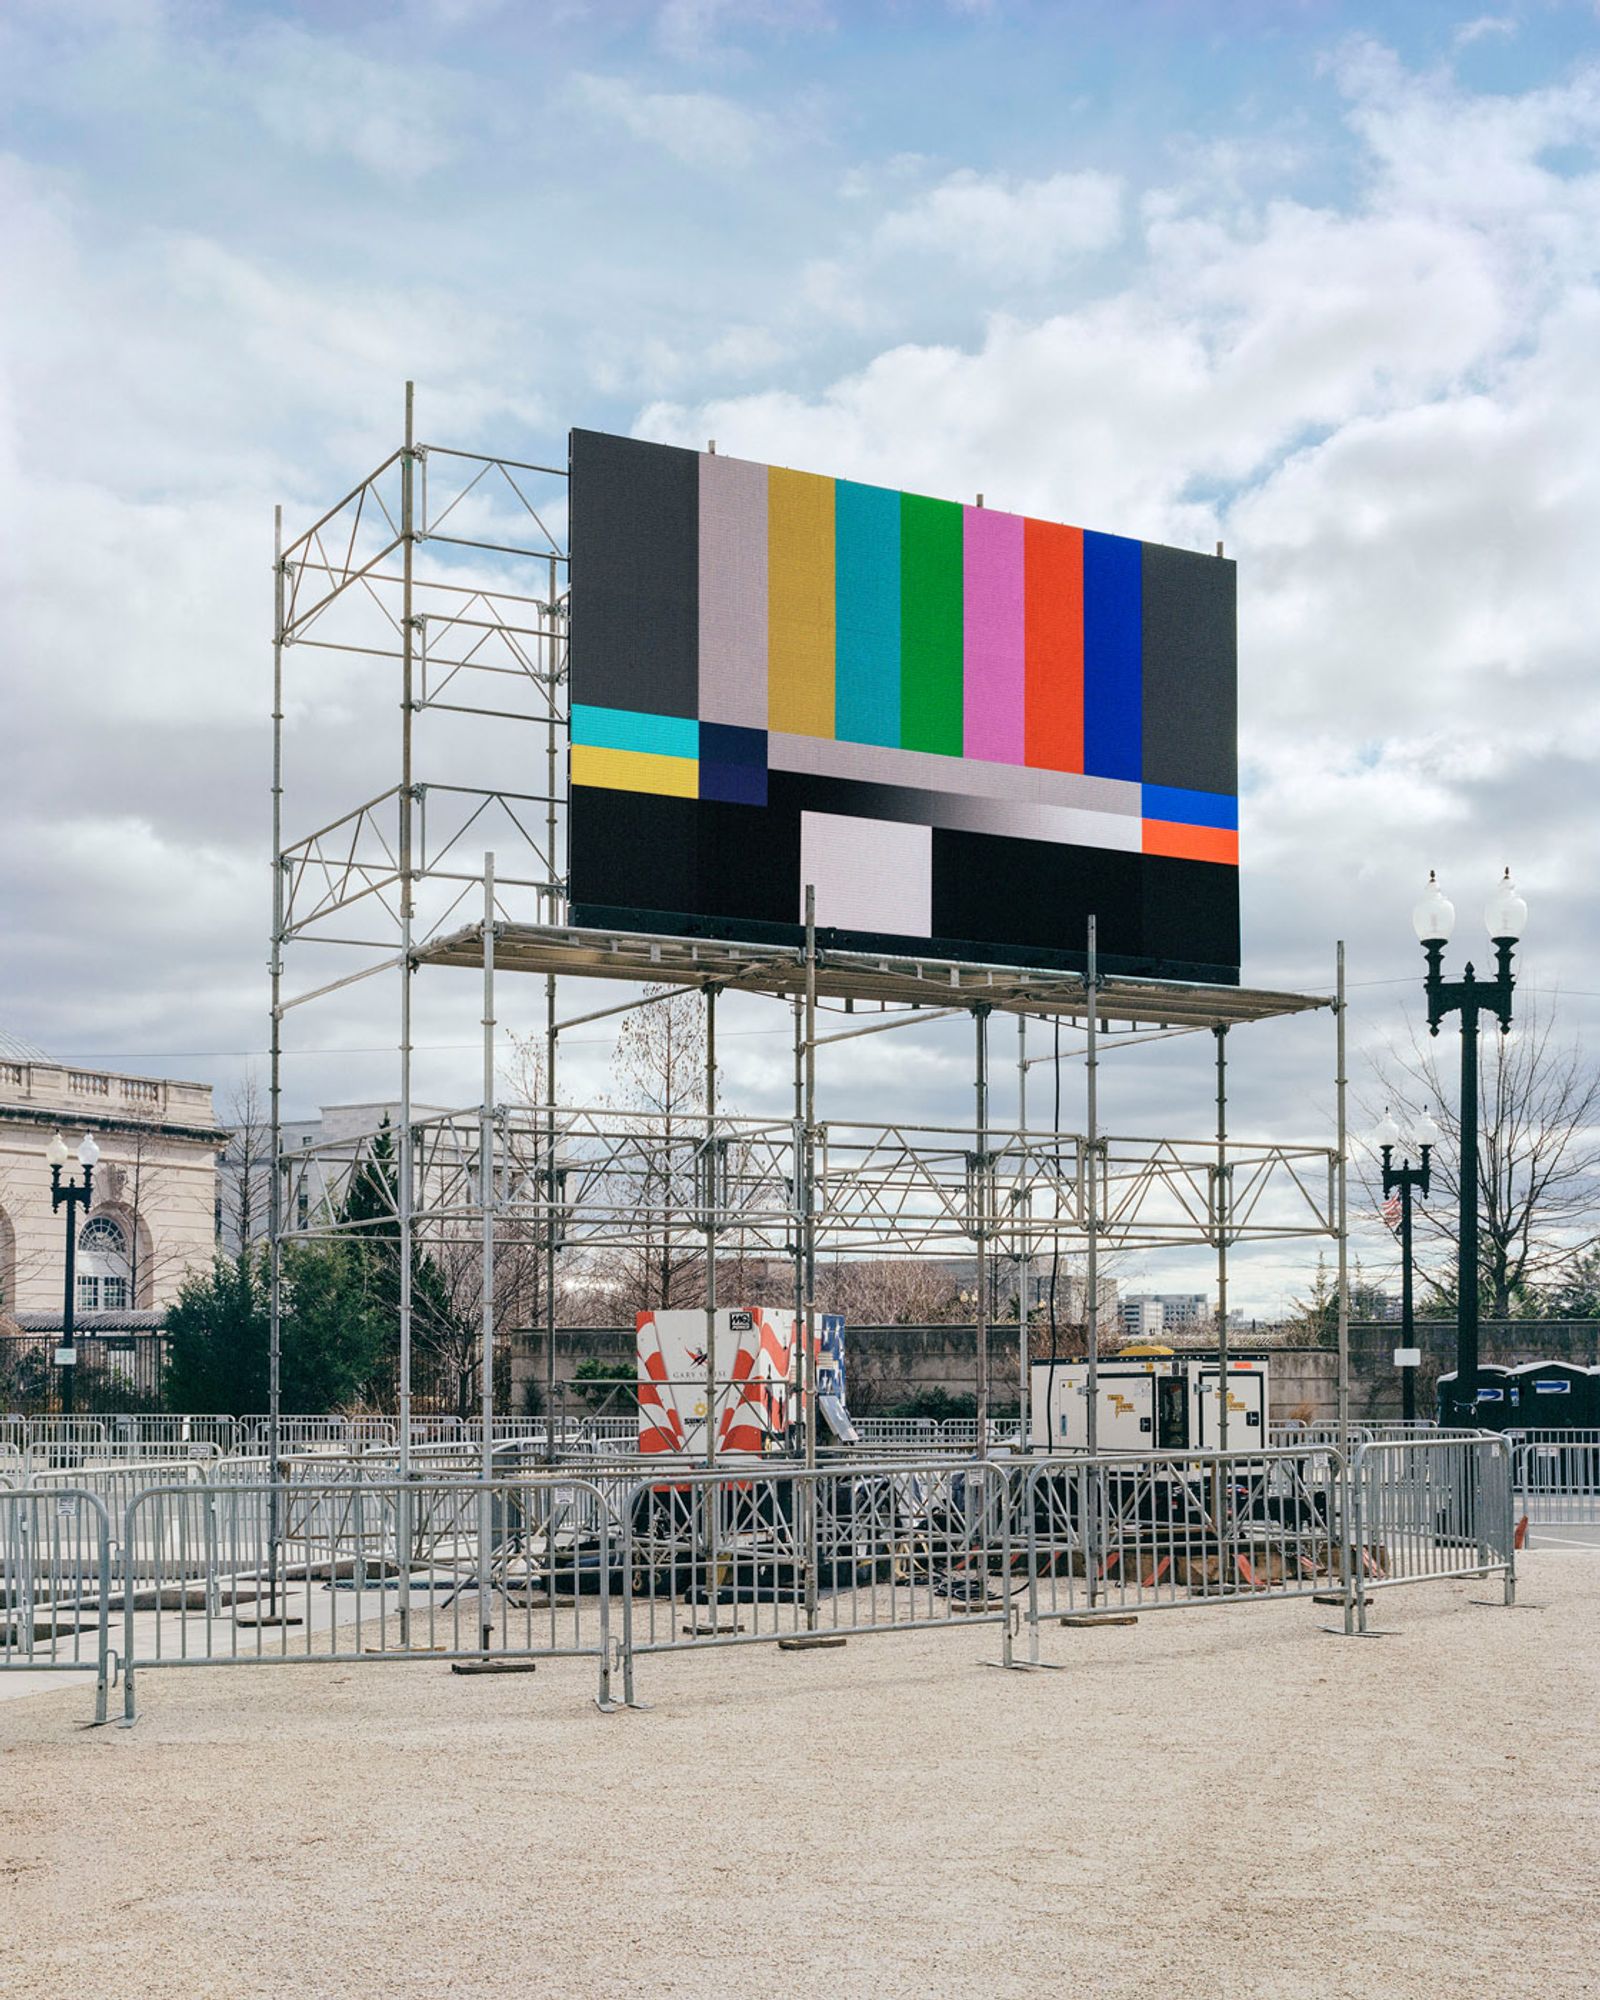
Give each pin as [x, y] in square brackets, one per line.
[444, 574]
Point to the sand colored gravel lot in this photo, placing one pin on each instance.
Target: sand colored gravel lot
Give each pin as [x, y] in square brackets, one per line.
[1212, 1803]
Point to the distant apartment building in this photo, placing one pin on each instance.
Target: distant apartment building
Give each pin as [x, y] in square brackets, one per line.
[1142, 1319]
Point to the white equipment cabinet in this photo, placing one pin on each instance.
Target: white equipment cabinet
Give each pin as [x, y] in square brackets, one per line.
[1151, 1401]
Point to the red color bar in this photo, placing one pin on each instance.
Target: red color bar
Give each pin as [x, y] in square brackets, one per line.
[1191, 843]
[1052, 559]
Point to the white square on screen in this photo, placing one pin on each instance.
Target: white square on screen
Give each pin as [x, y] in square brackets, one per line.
[869, 874]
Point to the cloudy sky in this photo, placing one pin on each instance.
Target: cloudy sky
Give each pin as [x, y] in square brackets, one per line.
[1317, 280]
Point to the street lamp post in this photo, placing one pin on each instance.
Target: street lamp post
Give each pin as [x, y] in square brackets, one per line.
[1434, 917]
[72, 1195]
[1403, 1181]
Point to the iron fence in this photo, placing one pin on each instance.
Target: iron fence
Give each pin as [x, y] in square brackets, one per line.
[1557, 1477]
[1118, 1534]
[499, 1572]
[1429, 1509]
[769, 1555]
[339, 1559]
[55, 1572]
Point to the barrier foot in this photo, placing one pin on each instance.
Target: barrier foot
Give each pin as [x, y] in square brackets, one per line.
[810, 1642]
[494, 1666]
[1080, 1620]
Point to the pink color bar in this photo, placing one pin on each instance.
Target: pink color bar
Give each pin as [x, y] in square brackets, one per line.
[995, 681]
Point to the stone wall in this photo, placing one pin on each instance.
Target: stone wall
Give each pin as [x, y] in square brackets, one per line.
[890, 1364]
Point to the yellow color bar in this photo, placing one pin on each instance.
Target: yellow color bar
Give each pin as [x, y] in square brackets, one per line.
[636, 771]
[800, 598]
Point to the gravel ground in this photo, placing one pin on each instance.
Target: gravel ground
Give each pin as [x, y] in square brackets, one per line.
[1219, 1802]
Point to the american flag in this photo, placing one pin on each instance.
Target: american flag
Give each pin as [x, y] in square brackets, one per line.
[1391, 1211]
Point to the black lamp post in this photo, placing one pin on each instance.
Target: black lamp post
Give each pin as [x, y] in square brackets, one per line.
[1405, 1180]
[73, 1195]
[1504, 915]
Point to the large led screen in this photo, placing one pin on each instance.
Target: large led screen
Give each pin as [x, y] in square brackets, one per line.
[969, 731]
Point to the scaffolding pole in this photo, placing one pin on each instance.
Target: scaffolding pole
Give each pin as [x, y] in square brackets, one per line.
[980, 1218]
[708, 1189]
[552, 1184]
[486, 1196]
[406, 1190]
[275, 1097]
[1341, 1171]
[1219, 1214]
[1024, 1252]
[1091, 1158]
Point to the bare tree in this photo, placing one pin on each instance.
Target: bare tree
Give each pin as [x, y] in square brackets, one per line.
[246, 1172]
[1538, 1158]
[890, 1291]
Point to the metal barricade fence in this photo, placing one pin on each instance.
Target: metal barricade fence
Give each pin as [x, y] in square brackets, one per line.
[64, 1441]
[758, 1554]
[1557, 1477]
[55, 1569]
[898, 1430]
[115, 1486]
[150, 1436]
[1115, 1534]
[1428, 1509]
[307, 1575]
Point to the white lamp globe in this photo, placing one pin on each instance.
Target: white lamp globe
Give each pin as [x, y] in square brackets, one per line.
[88, 1152]
[1435, 914]
[1505, 913]
[56, 1152]
[1425, 1132]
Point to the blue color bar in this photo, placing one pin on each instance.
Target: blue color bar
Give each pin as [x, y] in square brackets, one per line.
[1113, 701]
[1171, 802]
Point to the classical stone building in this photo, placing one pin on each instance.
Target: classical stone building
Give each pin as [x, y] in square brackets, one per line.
[155, 1189]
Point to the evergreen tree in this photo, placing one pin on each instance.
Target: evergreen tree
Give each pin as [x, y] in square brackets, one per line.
[371, 1211]
[219, 1335]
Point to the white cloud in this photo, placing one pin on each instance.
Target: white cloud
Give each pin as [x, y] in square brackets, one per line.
[694, 126]
[1486, 25]
[1010, 228]
[1388, 413]
[315, 94]
[693, 30]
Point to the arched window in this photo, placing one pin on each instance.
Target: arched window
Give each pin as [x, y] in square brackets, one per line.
[103, 1266]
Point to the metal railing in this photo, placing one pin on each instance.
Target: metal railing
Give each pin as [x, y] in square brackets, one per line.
[1557, 1477]
[769, 1555]
[1428, 1509]
[340, 1560]
[502, 1571]
[1118, 1534]
[55, 1571]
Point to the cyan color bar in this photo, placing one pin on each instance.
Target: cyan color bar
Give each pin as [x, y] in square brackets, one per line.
[1113, 701]
[866, 614]
[632, 729]
[1170, 802]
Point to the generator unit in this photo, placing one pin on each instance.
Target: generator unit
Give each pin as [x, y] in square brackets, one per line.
[1150, 1399]
[760, 1380]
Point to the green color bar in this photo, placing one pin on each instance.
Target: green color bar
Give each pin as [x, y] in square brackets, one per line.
[931, 638]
